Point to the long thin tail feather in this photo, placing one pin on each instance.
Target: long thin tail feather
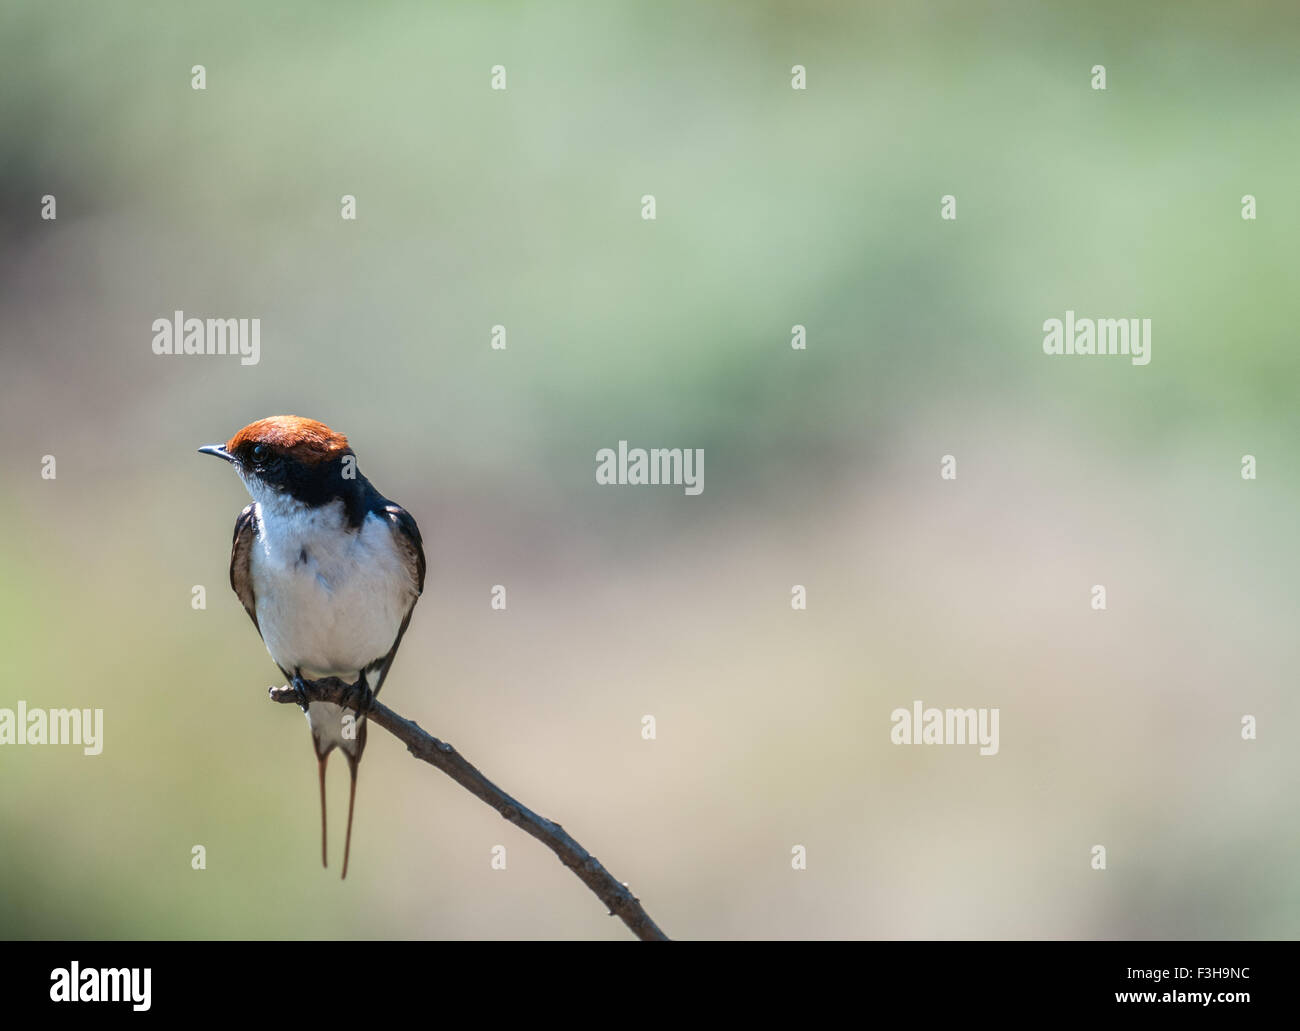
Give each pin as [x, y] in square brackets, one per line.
[352, 798]
[328, 733]
[321, 760]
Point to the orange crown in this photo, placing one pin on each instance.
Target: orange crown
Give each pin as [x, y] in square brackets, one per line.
[304, 440]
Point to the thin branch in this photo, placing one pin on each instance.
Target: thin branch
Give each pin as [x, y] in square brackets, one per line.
[618, 900]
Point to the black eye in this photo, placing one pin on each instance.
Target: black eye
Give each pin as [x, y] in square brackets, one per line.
[259, 453]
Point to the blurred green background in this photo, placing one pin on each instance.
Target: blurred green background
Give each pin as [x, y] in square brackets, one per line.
[775, 207]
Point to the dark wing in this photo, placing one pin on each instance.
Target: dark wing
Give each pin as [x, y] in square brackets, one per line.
[241, 550]
[409, 542]
[411, 547]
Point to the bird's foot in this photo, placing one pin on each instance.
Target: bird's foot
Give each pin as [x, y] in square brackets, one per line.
[358, 696]
[299, 691]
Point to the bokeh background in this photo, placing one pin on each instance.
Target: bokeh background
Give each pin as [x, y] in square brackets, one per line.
[775, 207]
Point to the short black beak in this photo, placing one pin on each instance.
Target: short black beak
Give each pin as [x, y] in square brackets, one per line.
[217, 449]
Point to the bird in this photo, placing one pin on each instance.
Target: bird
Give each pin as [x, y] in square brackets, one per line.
[328, 569]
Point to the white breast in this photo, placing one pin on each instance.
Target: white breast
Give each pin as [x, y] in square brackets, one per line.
[330, 600]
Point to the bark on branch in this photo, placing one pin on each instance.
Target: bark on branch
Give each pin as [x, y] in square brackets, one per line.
[587, 868]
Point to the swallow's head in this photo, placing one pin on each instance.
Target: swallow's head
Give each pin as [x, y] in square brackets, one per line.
[288, 455]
